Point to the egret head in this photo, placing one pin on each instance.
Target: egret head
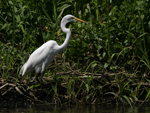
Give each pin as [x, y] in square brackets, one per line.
[66, 19]
[70, 18]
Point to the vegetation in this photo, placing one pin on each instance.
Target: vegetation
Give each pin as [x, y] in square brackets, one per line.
[107, 60]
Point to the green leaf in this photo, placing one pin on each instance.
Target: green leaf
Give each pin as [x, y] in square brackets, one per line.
[22, 28]
[34, 86]
[99, 47]
[148, 95]
[106, 65]
[118, 45]
[127, 99]
[62, 8]
[113, 11]
[94, 65]
[87, 87]
[104, 54]
[112, 93]
[46, 13]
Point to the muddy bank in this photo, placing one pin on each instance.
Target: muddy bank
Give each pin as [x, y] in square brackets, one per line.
[73, 88]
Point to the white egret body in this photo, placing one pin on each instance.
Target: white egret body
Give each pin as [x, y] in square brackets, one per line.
[45, 54]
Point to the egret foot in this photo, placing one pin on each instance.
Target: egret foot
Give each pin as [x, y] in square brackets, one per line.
[37, 78]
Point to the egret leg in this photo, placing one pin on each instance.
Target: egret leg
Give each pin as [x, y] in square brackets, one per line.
[37, 78]
[41, 77]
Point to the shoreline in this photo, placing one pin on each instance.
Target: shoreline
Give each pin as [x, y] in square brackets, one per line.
[77, 89]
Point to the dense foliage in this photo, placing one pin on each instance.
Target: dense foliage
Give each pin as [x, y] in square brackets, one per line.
[114, 43]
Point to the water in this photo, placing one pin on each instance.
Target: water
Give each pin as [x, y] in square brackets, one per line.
[72, 109]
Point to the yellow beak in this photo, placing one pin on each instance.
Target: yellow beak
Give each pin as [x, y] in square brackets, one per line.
[79, 20]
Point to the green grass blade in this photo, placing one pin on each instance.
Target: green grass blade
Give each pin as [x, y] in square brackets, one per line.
[127, 99]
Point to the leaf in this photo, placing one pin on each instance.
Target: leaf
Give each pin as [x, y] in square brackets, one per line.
[46, 13]
[22, 28]
[148, 95]
[104, 54]
[146, 63]
[118, 45]
[99, 47]
[90, 65]
[112, 93]
[4, 26]
[149, 24]
[112, 56]
[62, 8]
[140, 5]
[148, 80]
[113, 11]
[94, 65]
[33, 86]
[127, 99]
[84, 44]
[87, 87]
[106, 65]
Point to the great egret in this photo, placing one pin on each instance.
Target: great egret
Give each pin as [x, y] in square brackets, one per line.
[45, 54]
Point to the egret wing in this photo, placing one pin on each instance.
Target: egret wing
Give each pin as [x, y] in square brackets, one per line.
[43, 54]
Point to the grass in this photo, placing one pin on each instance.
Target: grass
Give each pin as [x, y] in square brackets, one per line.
[107, 60]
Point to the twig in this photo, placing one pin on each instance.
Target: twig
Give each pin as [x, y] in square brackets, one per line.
[144, 84]
[12, 86]
[7, 91]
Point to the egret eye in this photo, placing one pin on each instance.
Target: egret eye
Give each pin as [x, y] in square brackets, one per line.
[70, 18]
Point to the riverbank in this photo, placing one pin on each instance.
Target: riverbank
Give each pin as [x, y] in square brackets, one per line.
[77, 88]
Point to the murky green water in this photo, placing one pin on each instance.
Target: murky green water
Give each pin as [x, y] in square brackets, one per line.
[72, 109]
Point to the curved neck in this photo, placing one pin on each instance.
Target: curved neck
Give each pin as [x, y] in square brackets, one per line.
[68, 36]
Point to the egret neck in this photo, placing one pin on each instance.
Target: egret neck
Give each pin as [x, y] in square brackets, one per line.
[68, 36]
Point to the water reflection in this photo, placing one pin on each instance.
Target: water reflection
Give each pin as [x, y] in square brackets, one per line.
[71, 109]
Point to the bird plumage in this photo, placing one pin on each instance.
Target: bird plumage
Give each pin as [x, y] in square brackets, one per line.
[45, 54]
